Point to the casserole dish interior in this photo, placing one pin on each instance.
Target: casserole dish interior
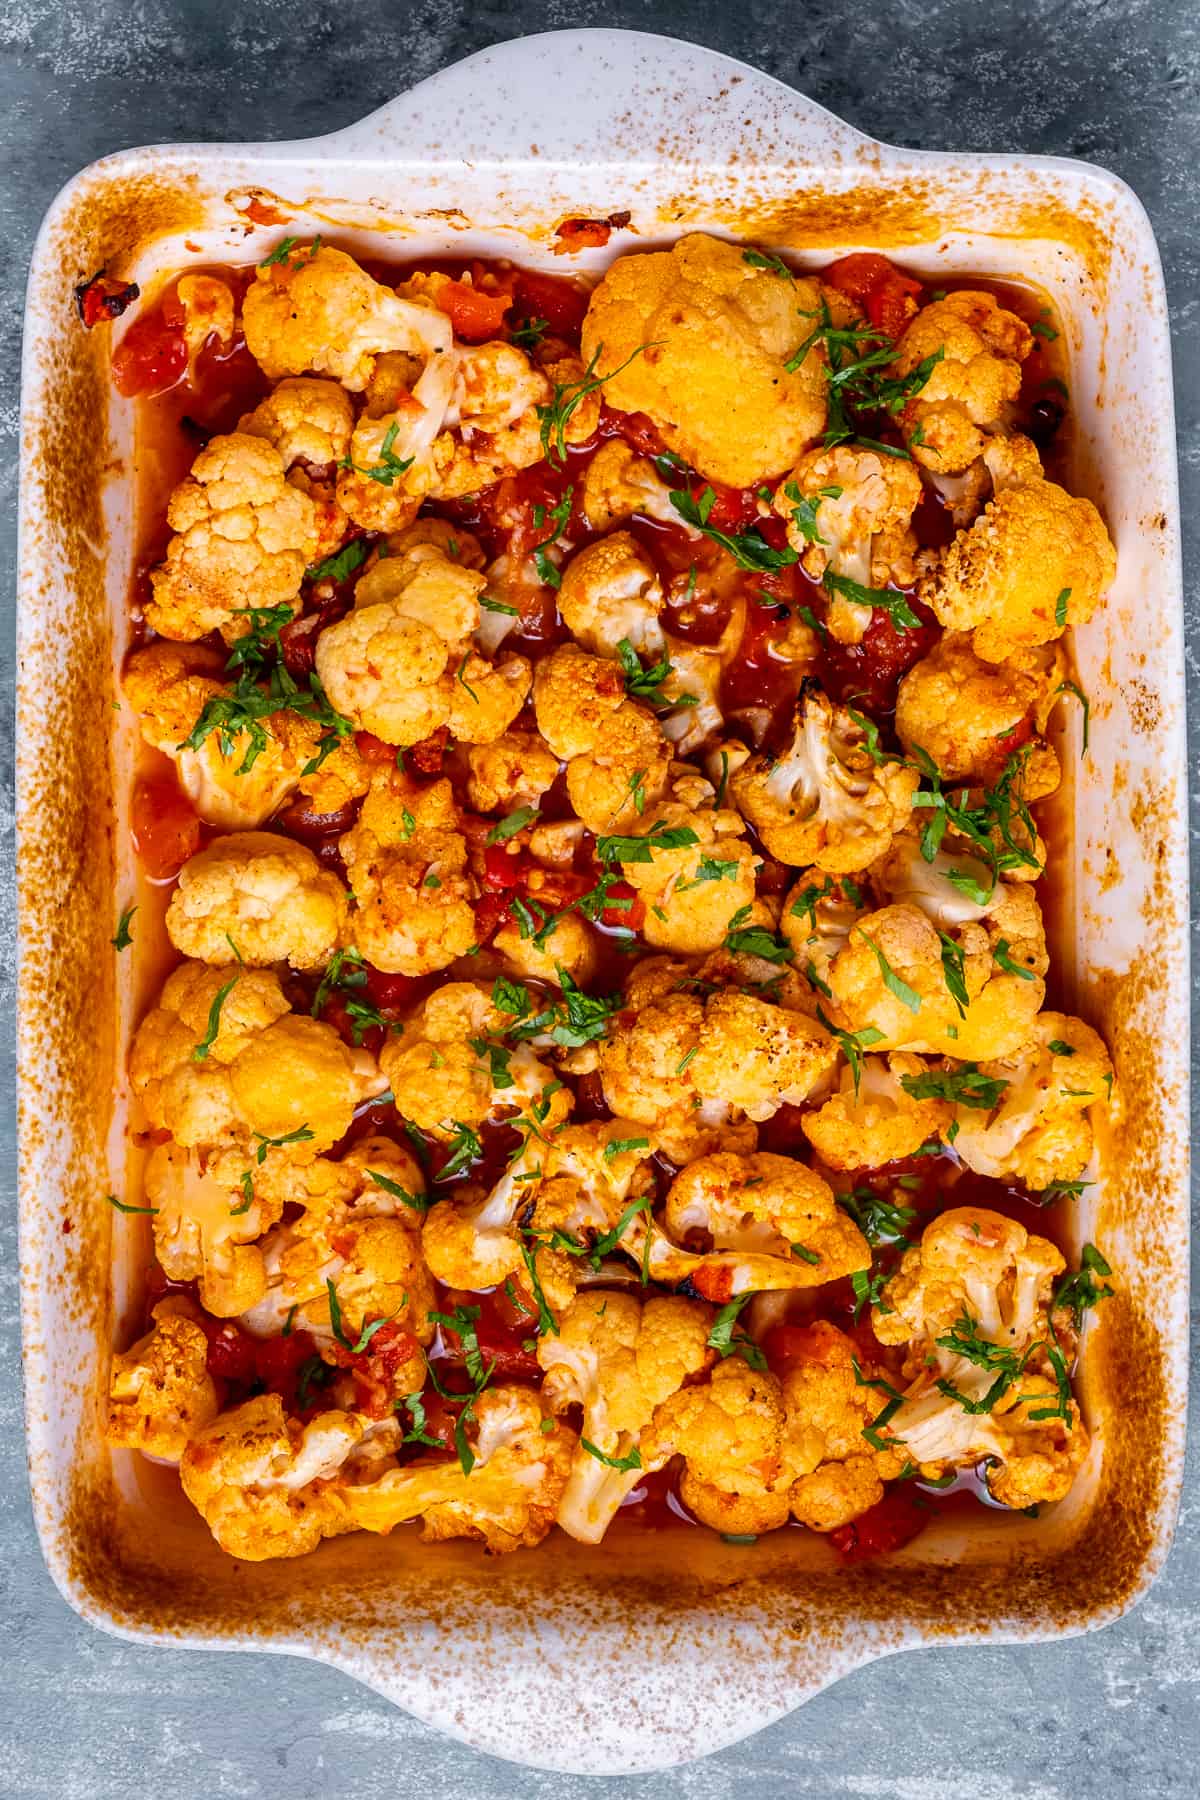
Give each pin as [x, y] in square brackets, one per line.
[452, 169]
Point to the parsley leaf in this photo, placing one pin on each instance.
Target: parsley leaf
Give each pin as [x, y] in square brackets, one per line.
[124, 936]
[748, 549]
[201, 1050]
[726, 1341]
[512, 822]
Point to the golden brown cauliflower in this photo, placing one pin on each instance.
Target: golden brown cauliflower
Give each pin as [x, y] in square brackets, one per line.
[819, 913]
[475, 456]
[169, 685]
[972, 388]
[411, 909]
[307, 421]
[316, 311]
[895, 983]
[824, 800]
[221, 1058]
[513, 771]
[1039, 1131]
[611, 594]
[618, 1358]
[710, 337]
[574, 695]
[850, 509]
[203, 1230]
[876, 1120]
[758, 1057]
[692, 893]
[736, 1224]
[243, 538]
[732, 1433]
[840, 1472]
[969, 715]
[208, 312]
[509, 1501]
[264, 895]
[1037, 560]
[160, 1393]
[618, 483]
[623, 776]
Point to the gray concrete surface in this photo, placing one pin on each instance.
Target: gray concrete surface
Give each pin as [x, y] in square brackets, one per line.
[1115, 81]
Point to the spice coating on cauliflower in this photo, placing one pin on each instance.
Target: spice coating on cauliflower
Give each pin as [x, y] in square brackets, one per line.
[969, 715]
[859, 504]
[411, 909]
[971, 388]
[829, 1407]
[824, 800]
[873, 1119]
[307, 421]
[732, 1432]
[611, 594]
[243, 538]
[260, 895]
[574, 695]
[618, 483]
[160, 1393]
[694, 892]
[624, 773]
[710, 336]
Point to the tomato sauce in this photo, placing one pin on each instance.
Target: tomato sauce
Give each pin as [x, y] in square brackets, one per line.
[182, 403]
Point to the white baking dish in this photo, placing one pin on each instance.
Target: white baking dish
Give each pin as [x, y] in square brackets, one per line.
[629, 1657]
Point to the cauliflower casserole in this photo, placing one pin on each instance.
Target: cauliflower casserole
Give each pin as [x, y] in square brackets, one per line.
[595, 742]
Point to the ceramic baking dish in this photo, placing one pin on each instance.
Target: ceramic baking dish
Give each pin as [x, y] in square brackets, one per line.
[659, 1648]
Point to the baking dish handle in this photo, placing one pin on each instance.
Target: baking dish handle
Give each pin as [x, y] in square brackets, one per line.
[631, 96]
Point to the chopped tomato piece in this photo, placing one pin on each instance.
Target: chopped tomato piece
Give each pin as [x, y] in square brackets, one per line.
[888, 298]
[231, 1351]
[589, 234]
[151, 357]
[556, 298]
[102, 298]
[474, 314]
[373, 749]
[894, 1521]
[165, 828]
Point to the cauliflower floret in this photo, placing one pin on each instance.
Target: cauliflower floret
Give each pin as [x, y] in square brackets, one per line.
[693, 893]
[474, 1242]
[969, 715]
[736, 1224]
[710, 337]
[316, 310]
[263, 1484]
[243, 537]
[265, 894]
[513, 771]
[611, 594]
[202, 1230]
[389, 664]
[574, 696]
[828, 1410]
[307, 421]
[160, 1393]
[411, 910]
[614, 785]
[972, 388]
[732, 1432]
[486, 697]
[618, 483]
[522, 1459]
[646, 1063]
[1038, 560]
[824, 801]
[691, 692]
[169, 685]
[1039, 1131]
[571, 947]
[618, 1359]
[758, 1057]
[859, 503]
[897, 976]
[208, 312]
[819, 913]
[221, 1057]
[445, 1076]
[875, 1120]
[975, 1262]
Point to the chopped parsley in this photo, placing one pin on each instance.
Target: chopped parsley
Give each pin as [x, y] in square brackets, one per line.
[339, 1330]
[748, 549]
[889, 600]
[341, 566]
[964, 1086]
[728, 1341]
[465, 1148]
[647, 683]
[418, 1202]
[124, 936]
[389, 466]
[512, 822]
[558, 517]
[755, 940]
[554, 417]
[624, 1463]
[124, 1207]
[301, 1135]
[1082, 1290]
[906, 995]
[201, 1050]
[640, 849]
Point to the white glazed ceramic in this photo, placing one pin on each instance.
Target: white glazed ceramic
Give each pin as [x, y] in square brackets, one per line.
[646, 1652]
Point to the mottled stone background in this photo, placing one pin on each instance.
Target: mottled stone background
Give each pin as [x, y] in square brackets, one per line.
[1115, 81]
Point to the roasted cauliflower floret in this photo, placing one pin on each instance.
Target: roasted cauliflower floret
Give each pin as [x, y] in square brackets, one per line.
[509, 1501]
[819, 913]
[1039, 1131]
[316, 311]
[443, 1075]
[570, 947]
[971, 1261]
[897, 976]
[618, 1359]
[875, 1120]
[202, 1230]
[850, 510]
[751, 1222]
[513, 771]
[574, 696]
[411, 910]
[243, 538]
[968, 715]
[610, 595]
[973, 384]
[208, 312]
[307, 421]
[221, 1057]
[160, 1393]
[699, 339]
[263, 895]
[692, 893]
[622, 777]
[1037, 560]
[758, 1057]
[732, 1432]
[824, 801]
[618, 483]
[828, 1409]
